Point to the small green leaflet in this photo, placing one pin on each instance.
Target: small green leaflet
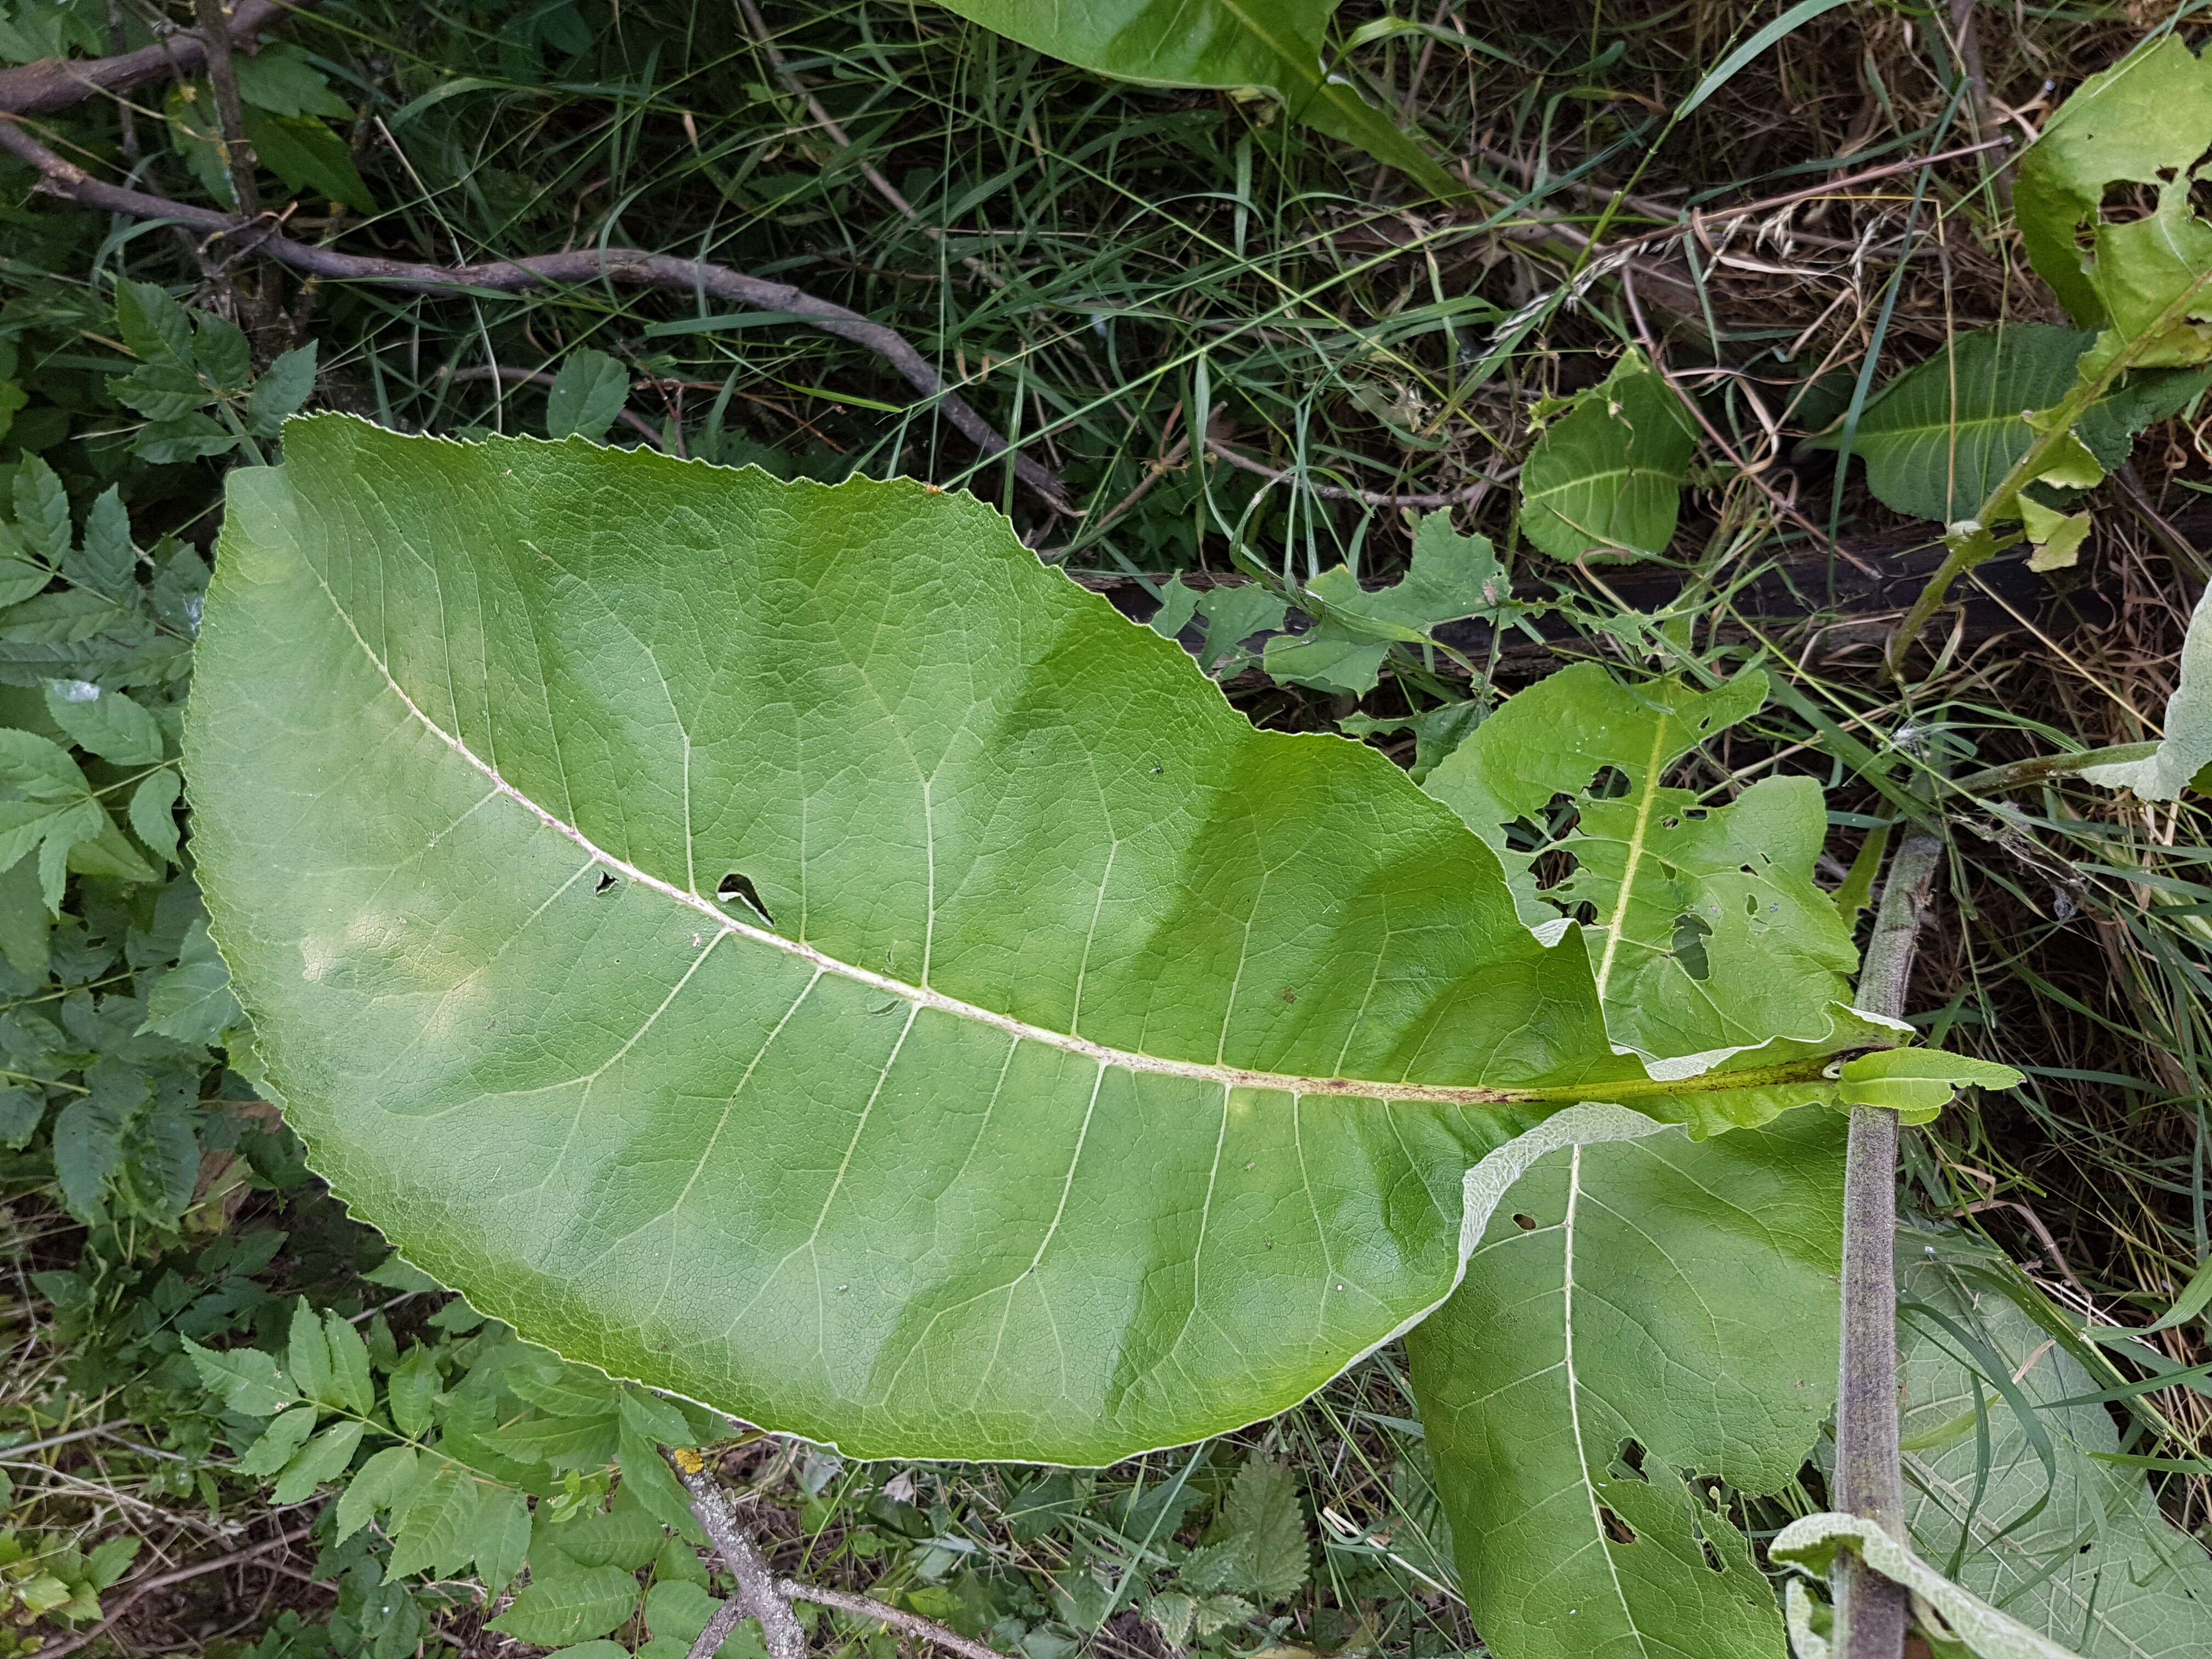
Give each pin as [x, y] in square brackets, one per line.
[1259, 1546]
[1605, 480]
[1230, 616]
[1917, 1084]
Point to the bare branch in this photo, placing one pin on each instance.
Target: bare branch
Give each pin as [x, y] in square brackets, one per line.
[56, 83]
[630, 267]
[761, 1596]
[863, 1607]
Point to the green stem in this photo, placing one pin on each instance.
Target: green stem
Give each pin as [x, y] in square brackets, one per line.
[2000, 501]
[1997, 779]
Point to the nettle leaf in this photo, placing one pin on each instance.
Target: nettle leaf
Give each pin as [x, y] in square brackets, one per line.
[1259, 1546]
[1941, 436]
[1655, 1316]
[573, 1605]
[1096, 1071]
[108, 723]
[2005, 1488]
[1705, 930]
[585, 396]
[1280, 47]
[1605, 480]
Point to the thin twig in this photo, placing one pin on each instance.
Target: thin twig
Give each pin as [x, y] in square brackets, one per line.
[863, 1607]
[1872, 1611]
[146, 1586]
[757, 1589]
[632, 267]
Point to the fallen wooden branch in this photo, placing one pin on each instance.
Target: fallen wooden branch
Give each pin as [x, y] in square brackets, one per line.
[57, 83]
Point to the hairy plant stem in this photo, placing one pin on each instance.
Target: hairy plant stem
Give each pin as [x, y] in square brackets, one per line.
[1872, 1613]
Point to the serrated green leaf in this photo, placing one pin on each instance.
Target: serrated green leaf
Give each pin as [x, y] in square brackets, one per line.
[1278, 46]
[1918, 1083]
[570, 1607]
[106, 560]
[282, 388]
[108, 723]
[646, 1478]
[411, 1392]
[623, 1535]
[163, 391]
[42, 510]
[307, 1353]
[1605, 480]
[152, 324]
[324, 1458]
[1263, 1550]
[310, 159]
[192, 1001]
[286, 1433]
[503, 1536]
[1670, 1301]
[20, 578]
[384, 1482]
[352, 1388]
[1021, 943]
[247, 1379]
[437, 1530]
[223, 353]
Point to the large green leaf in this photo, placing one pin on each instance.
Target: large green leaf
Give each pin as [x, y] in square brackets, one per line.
[1705, 930]
[783, 943]
[1280, 47]
[1655, 1316]
[1605, 479]
[2006, 1492]
[2142, 122]
[1939, 438]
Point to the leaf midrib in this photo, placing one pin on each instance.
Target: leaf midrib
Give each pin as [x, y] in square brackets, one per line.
[922, 997]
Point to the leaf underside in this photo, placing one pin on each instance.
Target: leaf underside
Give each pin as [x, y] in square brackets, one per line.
[961, 1154]
[1653, 1317]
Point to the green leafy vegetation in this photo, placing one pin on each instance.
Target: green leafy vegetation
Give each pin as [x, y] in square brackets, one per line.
[1314, 394]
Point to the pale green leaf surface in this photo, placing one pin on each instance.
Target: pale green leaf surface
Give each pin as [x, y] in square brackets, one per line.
[246, 1378]
[1330, 656]
[571, 1606]
[324, 1458]
[382, 1483]
[287, 1432]
[108, 723]
[1677, 1295]
[1277, 45]
[2097, 1566]
[1111, 1070]
[437, 1529]
[1605, 478]
[2186, 748]
[1706, 934]
[1260, 1548]
[1918, 1083]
